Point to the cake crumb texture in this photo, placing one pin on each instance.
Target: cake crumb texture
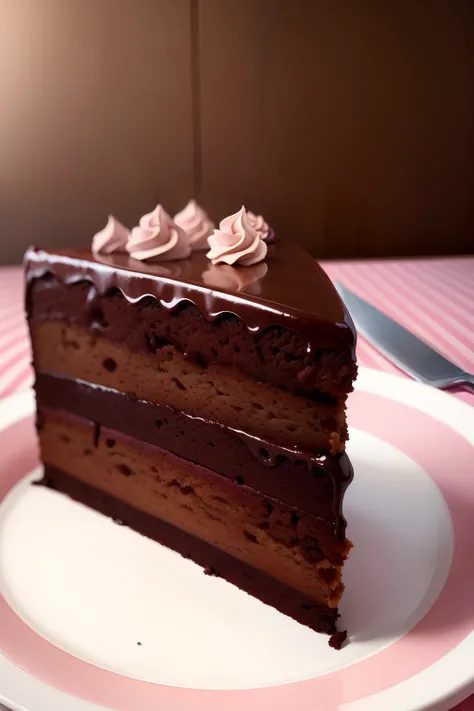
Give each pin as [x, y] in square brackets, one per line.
[220, 393]
[277, 355]
[296, 548]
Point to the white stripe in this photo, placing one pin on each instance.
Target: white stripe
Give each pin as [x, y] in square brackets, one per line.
[10, 338]
[385, 299]
[363, 355]
[454, 298]
[465, 271]
[455, 283]
[11, 374]
[15, 326]
[16, 348]
[410, 307]
[22, 382]
[12, 326]
[464, 267]
[12, 317]
[430, 303]
[377, 360]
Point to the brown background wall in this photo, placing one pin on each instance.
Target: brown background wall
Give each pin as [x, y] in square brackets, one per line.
[348, 124]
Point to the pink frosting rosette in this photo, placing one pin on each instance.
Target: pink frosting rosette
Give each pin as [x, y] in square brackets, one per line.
[236, 242]
[157, 238]
[261, 227]
[196, 223]
[113, 238]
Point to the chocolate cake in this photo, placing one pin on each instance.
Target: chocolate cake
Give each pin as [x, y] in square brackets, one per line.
[200, 399]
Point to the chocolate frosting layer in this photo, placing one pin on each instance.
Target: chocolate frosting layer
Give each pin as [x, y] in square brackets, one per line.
[293, 293]
[315, 484]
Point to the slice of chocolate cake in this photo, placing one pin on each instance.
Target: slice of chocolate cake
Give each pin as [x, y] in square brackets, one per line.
[201, 399]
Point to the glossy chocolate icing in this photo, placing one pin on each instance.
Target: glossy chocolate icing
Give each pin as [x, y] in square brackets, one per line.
[293, 293]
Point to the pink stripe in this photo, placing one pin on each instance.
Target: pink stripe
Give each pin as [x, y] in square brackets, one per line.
[371, 358]
[344, 272]
[15, 350]
[368, 356]
[363, 355]
[11, 306]
[10, 320]
[11, 287]
[459, 266]
[452, 281]
[375, 291]
[14, 279]
[435, 330]
[382, 363]
[334, 270]
[11, 337]
[23, 381]
[398, 309]
[12, 361]
[463, 307]
[425, 306]
[450, 274]
[437, 297]
[15, 354]
[11, 328]
[13, 302]
[12, 269]
[12, 297]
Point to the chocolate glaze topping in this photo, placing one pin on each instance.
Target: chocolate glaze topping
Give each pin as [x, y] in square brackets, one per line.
[294, 292]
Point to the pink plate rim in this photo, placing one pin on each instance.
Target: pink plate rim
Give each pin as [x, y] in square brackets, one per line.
[439, 632]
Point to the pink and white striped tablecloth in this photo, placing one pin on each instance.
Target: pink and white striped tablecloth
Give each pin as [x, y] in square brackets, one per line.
[433, 298]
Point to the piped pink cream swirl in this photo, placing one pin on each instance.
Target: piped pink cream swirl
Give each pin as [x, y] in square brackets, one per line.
[196, 223]
[113, 238]
[236, 242]
[261, 227]
[157, 238]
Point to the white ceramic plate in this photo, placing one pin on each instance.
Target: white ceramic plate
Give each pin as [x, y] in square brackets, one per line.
[95, 616]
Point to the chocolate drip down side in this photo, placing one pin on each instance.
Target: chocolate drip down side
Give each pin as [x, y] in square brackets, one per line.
[315, 484]
[295, 293]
